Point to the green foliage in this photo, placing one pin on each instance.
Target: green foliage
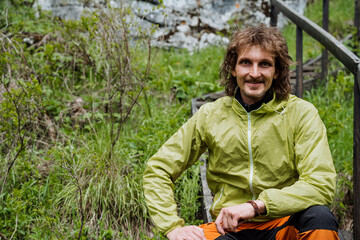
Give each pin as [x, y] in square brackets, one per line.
[341, 14]
[187, 190]
[187, 75]
[335, 106]
[18, 16]
[18, 108]
[21, 209]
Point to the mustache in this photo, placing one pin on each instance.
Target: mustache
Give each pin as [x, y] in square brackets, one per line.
[250, 79]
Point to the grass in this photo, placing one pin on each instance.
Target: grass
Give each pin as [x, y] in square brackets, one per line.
[112, 189]
[186, 74]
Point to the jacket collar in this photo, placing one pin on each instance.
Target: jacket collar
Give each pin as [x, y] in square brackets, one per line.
[274, 105]
[267, 98]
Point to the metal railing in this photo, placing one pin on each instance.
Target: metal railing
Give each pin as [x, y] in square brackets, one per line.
[350, 61]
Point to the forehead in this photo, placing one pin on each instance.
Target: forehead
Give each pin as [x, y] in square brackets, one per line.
[257, 53]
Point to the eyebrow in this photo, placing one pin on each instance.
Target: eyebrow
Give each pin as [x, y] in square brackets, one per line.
[261, 60]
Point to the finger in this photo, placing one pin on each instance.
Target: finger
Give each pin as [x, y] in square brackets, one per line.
[226, 219]
[194, 236]
[199, 233]
[218, 223]
[233, 224]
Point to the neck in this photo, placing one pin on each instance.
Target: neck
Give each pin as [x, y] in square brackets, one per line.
[253, 106]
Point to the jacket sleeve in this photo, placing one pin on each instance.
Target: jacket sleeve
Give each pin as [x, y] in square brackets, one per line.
[316, 182]
[180, 152]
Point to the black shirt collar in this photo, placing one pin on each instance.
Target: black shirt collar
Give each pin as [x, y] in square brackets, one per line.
[267, 98]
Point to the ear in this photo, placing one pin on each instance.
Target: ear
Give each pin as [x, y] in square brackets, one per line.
[276, 75]
[233, 72]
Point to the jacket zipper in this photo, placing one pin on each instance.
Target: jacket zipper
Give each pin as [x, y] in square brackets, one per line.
[221, 193]
[251, 157]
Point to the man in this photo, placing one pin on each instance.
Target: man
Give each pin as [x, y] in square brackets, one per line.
[270, 166]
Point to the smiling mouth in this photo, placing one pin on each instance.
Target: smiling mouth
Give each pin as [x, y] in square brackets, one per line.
[255, 82]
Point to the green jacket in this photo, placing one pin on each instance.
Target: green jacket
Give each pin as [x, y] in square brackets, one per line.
[278, 153]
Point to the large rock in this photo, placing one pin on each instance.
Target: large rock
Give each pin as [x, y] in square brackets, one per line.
[187, 24]
[195, 24]
[73, 9]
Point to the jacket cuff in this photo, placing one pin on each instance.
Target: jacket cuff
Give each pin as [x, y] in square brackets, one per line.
[267, 209]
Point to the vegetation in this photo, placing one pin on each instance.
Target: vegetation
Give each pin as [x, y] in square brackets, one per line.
[82, 108]
[341, 16]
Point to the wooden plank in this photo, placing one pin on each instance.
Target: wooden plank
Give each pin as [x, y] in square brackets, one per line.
[310, 68]
[345, 235]
[349, 59]
[307, 76]
[194, 108]
[196, 103]
[206, 193]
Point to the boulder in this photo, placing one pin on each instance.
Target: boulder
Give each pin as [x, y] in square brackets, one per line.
[189, 24]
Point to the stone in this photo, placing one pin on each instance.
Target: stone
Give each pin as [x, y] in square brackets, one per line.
[190, 24]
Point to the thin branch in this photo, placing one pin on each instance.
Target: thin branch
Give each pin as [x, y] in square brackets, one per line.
[16, 224]
[123, 120]
[80, 200]
[2, 236]
[22, 145]
[147, 76]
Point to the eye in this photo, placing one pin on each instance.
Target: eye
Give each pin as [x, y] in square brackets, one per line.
[244, 62]
[265, 64]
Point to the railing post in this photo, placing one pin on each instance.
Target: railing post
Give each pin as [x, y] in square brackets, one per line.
[299, 60]
[273, 15]
[356, 149]
[325, 25]
[356, 163]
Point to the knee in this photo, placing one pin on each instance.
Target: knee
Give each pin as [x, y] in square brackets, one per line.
[315, 217]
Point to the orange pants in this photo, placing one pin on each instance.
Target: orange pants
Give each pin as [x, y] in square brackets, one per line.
[314, 223]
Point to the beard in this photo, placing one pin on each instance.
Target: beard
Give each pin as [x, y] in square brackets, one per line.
[253, 93]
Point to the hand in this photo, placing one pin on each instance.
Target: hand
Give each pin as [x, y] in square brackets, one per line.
[186, 233]
[231, 217]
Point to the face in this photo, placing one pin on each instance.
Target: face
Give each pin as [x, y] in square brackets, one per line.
[254, 72]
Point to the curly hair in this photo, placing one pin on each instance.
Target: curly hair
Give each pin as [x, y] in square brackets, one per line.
[268, 38]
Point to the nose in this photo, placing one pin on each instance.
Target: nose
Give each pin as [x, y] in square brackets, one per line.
[255, 71]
